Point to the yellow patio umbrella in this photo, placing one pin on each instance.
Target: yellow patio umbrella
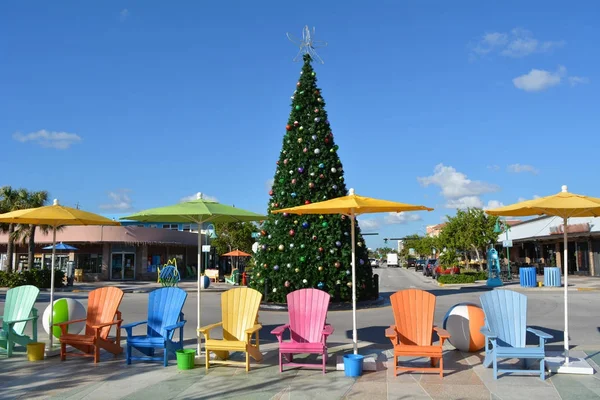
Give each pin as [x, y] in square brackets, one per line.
[351, 206]
[564, 205]
[54, 216]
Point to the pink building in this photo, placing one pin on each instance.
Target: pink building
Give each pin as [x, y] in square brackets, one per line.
[113, 252]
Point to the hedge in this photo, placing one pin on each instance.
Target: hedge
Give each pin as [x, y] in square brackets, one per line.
[466, 277]
[36, 277]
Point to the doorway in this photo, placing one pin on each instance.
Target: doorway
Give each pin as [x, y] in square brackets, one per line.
[122, 266]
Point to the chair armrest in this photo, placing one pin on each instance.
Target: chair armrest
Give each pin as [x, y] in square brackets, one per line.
[391, 332]
[180, 324]
[328, 330]
[280, 329]
[14, 321]
[133, 324]
[540, 334]
[487, 333]
[255, 328]
[99, 326]
[205, 329]
[70, 322]
[442, 333]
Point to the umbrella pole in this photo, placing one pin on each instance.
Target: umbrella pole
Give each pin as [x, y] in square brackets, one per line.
[52, 285]
[566, 273]
[199, 350]
[354, 334]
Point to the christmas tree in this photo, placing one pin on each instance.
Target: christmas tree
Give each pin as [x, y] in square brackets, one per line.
[309, 251]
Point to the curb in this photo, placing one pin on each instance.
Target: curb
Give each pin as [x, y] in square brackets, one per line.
[380, 301]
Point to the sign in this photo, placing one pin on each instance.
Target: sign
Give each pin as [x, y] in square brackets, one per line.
[255, 235]
[206, 248]
[507, 243]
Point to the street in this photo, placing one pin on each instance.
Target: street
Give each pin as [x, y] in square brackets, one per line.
[545, 310]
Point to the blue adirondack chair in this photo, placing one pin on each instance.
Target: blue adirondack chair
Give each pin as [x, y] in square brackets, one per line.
[505, 330]
[18, 310]
[164, 317]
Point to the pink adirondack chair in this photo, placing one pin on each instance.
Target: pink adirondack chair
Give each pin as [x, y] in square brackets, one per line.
[307, 309]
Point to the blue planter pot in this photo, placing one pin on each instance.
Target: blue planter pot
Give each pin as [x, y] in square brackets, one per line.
[353, 365]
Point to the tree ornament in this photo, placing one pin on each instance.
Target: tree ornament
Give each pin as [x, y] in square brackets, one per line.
[306, 201]
[343, 217]
[298, 84]
[281, 180]
[258, 274]
[276, 267]
[298, 107]
[287, 284]
[349, 284]
[264, 246]
[288, 265]
[326, 140]
[332, 251]
[317, 151]
[288, 128]
[265, 265]
[320, 268]
[320, 217]
[311, 185]
[338, 243]
[322, 176]
[314, 237]
[348, 272]
[285, 214]
[274, 290]
[361, 261]
[292, 97]
[324, 224]
[292, 232]
[333, 170]
[317, 92]
[338, 282]
[337, 264]
[263, 233]
[334, 187]
[269, 237]
[331, 150]
[305, 225]
[313, 73]
[327, 121]
[317, 119]
[316, 110]
[281, 247]
[320, 249]
[302, 258]
[321, 285]
[359, 244]
[270, 193]
[294, 181]
[321, 165]
[305, 150]
[301, 128]
[291, 245]
[296, 123]
[304, 281]
[314, 137]
[297, 270]
[295, 222]
[300, 170]
[293, 194]
[299, 140]
[285, 161]
[312, 174]
[319, 99]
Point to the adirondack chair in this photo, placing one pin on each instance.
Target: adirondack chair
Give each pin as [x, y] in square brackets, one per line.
[307, 309]
[239, 310]
[18, 309]
[164, 317]
[233, 278]
[103, 307]
[505, 330]
[412, 333]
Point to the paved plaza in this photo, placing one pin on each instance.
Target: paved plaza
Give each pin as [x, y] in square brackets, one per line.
[464, 377]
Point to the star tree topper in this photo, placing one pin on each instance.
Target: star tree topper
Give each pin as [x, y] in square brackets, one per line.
[307, 44]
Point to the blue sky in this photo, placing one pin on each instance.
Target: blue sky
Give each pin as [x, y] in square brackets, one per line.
[126, 105]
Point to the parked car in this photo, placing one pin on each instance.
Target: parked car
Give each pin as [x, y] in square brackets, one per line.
[437, 271]
[411, 262]
[430, 266]
[419, 264]
[373, 262]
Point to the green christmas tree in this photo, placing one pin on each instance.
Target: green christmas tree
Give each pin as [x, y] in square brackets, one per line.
[309, 251]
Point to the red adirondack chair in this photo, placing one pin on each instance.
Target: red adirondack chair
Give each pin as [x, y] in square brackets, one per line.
[307, 309]
[413, 330]
[103, 307]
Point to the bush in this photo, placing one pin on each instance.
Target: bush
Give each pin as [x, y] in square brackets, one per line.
[466, 277]
[37, 277]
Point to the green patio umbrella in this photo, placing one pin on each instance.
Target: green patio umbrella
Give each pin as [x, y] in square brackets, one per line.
[196, 211]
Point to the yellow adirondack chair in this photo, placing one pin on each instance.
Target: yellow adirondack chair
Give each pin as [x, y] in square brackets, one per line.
[239, 308]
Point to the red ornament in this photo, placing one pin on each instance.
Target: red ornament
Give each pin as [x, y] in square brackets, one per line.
[292, 232]
[296, 123]
[317, 92]
[288, 127]
[320, 249]
[277, 162]
[270, 193]
[307, 202]
[265, 265]
[314, 237]
[322, 176]
[337, 264]
[326, 140]
[263, 233]
[305, 150]
[298, 84]
[276, 205]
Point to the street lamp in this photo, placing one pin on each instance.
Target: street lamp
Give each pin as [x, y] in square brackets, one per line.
[502, 226]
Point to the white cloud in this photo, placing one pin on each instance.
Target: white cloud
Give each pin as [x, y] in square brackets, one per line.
[369, 224]
[493, 204]
[537, 79]
[124, 14]
[458, 190]
[44, 138]
[120, 200]
[198, 195]
[493, 167]
[578, 80]
[269, 184]
[521, 199]
[401, 218]
[518, 168]
[516, 43]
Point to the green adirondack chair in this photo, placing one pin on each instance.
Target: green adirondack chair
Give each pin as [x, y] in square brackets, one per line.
[18, 309]
[234, 278]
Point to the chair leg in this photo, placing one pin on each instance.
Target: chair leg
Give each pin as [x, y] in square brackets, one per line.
[280, 362]
[324, 361]
[247, 361]
[441, 362]
[495, 364]
[128, 355]
[543, 369]
[9, 347]
[96, 354]
[395, 365]
[63, 351]
[206, 358]
[166, 356]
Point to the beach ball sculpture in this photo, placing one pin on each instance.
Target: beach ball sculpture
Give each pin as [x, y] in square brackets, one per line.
[64, 310]
[204, 282]
[463, 322]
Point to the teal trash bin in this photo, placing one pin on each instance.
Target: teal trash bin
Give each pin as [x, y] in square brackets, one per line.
[552, 276]
[528, 277]
[353, 365]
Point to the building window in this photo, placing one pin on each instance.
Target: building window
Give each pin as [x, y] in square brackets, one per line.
[89, 263]
[173, 227]
[187, 227]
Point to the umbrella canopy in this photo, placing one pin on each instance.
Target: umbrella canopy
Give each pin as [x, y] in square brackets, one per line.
[60, 246]
[564, 205]
[352, 205]
[54, 216]
[196, 211]
[236, 253]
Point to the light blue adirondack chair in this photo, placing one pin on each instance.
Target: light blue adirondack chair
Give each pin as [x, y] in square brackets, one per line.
[164, 317]
[505, 330]
[18, 309]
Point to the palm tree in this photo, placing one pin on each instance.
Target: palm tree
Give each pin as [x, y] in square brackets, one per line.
[26, 233]
[11, 200]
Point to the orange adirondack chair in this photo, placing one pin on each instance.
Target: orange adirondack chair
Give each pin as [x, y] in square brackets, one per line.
[412, 333]
[239, 309]
[103, 305]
